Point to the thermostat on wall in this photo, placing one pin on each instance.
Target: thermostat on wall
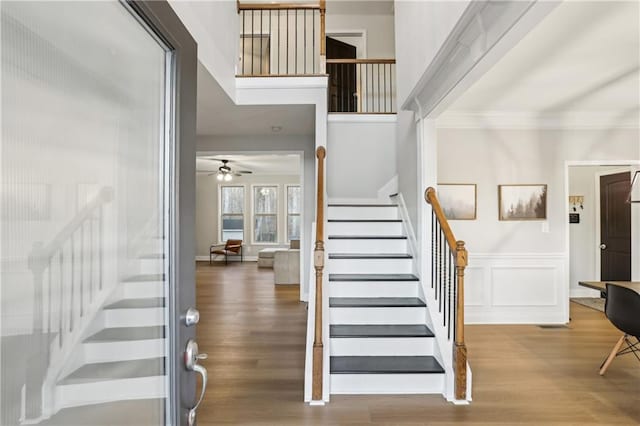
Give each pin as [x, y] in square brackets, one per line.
[574, 217]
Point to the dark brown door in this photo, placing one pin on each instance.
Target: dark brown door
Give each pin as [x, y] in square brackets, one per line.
[342, 77]
[615, 227]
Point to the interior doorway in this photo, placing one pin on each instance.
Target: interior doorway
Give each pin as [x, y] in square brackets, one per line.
[615, 227]
[600, 233]
[342, 76]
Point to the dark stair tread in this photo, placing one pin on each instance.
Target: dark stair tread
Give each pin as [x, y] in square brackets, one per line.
[118, 334]
[385, 365]
[367, 237]
[375, 302]
[103, 371]
[386, 330]
[361, 205]
[144, 278]
[370, 256]
[366, 220]
[372, 277]
[151, 302]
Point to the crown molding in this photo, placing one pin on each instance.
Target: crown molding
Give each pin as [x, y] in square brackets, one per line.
[534, 120]
[485, 32]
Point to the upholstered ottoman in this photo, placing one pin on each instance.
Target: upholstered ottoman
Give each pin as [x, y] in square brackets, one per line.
[265, 257]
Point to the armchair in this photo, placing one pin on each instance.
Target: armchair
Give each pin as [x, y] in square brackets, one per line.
[230, 248]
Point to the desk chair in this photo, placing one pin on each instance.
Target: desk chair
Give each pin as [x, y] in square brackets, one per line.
[230, 248]
[622, 308]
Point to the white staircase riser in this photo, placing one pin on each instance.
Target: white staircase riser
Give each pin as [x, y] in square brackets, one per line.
[370, 266]
[366, 246]
[367, 212]
[364, 228]
[151, 266]
[387, 383]
[77, 395]
[142, 290]
[133, 317]
[383, 315]
[123, 350]
[373, 289]
[382, 346]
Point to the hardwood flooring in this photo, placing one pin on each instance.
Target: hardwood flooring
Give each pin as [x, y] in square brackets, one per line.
[254, 333]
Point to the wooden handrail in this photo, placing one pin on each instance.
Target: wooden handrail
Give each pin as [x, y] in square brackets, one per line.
[361, 61]
[278, 6]
[318, 261]
[430, 197]
[459, 253]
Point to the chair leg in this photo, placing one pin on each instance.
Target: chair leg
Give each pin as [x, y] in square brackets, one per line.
[210, 258]
[226, 258]
[612, 355]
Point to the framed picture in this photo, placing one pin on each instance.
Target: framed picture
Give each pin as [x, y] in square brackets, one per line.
[458, 200]
[522, 202]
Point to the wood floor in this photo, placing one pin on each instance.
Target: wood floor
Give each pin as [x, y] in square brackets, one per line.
[254, 333]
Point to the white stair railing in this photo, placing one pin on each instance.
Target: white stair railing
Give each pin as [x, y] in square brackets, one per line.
[69, 289]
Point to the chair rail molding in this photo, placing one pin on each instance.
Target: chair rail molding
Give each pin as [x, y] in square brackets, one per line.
[484, 33]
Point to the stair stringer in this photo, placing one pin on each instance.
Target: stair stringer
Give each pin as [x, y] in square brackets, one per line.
[443, 344]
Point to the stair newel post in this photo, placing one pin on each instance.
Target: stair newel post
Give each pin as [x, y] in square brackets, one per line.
[318, 257]
[460, 348]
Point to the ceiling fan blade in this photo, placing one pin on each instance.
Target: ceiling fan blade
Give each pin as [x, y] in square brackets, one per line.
[245, 172]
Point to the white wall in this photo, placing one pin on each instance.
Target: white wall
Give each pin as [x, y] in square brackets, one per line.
[379, 32]
[214, 26]
[282, 144]
[523, 255]
[425, 24]
[361, 155]
[207, 210]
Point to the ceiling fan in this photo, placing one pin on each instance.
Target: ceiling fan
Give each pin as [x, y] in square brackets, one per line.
[225, 173]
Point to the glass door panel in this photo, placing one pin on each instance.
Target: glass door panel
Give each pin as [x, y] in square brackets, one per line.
[83, 216]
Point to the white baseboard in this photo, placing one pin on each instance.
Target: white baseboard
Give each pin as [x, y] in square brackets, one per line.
[232, 259]
[583, 292]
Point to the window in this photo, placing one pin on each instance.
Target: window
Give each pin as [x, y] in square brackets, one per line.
[293, 212]
[265, 214]
[232, 212]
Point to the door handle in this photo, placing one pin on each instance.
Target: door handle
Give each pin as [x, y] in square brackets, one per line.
[603, 246]
[191, 358]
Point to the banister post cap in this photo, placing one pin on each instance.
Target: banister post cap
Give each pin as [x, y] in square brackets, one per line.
[429, 190]
[321, 153]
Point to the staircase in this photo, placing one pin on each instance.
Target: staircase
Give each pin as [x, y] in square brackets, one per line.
[121, 356]
[380, 341]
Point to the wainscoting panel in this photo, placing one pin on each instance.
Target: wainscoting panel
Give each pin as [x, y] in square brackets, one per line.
[516, 288]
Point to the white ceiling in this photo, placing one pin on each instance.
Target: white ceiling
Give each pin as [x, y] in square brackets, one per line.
[217, 115]
[584, 57]
[258, 164]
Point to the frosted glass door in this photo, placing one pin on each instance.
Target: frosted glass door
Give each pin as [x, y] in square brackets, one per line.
[83, 216]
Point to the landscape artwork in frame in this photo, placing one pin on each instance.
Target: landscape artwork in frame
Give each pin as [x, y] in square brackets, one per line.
[522, 202]
[458, 200]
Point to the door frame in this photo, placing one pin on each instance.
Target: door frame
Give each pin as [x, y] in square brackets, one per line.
[635, 224]
[160, 17]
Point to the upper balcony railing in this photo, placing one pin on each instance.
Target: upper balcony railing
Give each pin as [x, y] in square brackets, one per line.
[281, 39]
[289, 39]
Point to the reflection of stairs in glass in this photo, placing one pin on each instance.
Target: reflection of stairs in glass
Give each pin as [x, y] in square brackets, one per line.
[142, 412]
[122, 358]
